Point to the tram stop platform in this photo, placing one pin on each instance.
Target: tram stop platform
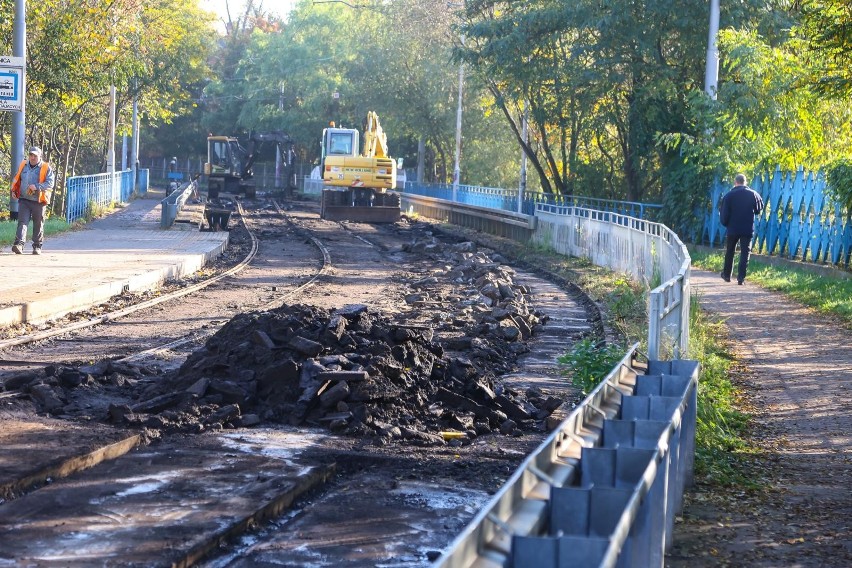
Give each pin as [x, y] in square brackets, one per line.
[125, 251]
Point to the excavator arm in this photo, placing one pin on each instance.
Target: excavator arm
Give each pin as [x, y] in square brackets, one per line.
[375, 140]
[256, 140]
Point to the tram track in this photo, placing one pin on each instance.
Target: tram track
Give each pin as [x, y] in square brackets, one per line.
[418, 496]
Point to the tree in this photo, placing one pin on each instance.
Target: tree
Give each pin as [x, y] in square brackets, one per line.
[77, 50]
[827, 26]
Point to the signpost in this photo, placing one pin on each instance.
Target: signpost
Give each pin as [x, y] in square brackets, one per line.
[11, 83]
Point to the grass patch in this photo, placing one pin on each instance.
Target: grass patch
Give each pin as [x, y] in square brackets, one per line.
[721, 440]
[51, 227]
[825, 294]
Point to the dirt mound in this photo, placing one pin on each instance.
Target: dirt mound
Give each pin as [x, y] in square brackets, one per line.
[427, 375]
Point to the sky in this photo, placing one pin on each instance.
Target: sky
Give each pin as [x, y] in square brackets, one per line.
[279, 7]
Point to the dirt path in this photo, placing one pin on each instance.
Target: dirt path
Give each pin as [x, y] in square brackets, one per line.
[799, 367]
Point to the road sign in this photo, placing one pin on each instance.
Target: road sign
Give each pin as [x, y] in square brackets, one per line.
[11, 83]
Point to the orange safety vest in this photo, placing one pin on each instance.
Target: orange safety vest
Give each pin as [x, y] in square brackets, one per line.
[42, 175]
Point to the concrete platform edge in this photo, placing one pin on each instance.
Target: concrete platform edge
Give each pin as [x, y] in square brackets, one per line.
[61, 305]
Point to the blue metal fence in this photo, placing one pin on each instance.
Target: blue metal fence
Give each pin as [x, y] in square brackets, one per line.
[83, 192]
[507, 199]
[798, 220]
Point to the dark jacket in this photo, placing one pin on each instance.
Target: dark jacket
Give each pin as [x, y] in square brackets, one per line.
[739, 206]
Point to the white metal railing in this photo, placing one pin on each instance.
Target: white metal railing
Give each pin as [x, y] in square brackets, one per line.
[649, 252]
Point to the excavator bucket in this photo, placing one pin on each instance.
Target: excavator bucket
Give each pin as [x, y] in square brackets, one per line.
[362, 205]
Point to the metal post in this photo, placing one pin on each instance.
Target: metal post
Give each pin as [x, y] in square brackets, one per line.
[111, 145]
[278, 146]
[123, 152]
[134, 150]
[522, 187]
[711, 75]
[421, 158]
[19, 49]
[456, 169]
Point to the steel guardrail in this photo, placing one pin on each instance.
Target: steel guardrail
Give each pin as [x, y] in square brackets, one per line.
[603, 489]
[573, 502]
[171, 205]
[649, 252]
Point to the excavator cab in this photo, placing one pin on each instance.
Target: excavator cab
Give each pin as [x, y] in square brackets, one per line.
[229, 165]
[356, 185]
[224, 168]
[342, 142]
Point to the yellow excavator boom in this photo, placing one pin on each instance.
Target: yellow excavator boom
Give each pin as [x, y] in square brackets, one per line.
[375, 140]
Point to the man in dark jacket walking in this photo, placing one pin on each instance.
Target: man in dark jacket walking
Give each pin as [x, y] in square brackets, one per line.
[738, 208]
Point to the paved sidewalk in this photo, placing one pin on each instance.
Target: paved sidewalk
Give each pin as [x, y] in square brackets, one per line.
[802, 392]
[125, 251]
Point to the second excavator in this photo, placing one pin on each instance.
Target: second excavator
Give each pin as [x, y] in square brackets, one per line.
[358, 187]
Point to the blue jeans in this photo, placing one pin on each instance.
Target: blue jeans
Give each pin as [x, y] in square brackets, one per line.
[745, 250]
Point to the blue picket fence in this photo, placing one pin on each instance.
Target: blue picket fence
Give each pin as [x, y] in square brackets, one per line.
[507, 199]
[82, 192]
[799, 221]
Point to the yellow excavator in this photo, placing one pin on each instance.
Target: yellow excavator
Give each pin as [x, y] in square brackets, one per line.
[358, 187]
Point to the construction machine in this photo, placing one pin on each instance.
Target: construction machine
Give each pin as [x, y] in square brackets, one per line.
[356, 187]
[229, 164]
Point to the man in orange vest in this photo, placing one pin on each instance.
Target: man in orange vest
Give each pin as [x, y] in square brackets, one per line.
[32, 187]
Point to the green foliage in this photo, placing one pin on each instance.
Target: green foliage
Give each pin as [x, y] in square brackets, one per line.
[839, 177]
[626, 305]
[827, 28]
[588, 362]
[78, 50]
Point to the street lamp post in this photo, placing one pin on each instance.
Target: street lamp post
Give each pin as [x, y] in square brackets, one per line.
[711, 74]
[522, 186]
[456, 168]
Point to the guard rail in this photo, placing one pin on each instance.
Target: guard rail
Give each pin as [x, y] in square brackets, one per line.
[649, 252]
[174, 202]
[604, 488]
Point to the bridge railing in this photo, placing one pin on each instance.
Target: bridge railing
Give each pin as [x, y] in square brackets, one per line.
[507, 199]
[649, 252]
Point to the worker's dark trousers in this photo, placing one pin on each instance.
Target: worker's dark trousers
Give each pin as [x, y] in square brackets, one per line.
[745, 250]
[27, 210]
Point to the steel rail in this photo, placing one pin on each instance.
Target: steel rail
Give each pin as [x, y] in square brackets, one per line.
[326, 265]
[117, 314]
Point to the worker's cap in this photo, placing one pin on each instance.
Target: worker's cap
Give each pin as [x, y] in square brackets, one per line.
[35, 150]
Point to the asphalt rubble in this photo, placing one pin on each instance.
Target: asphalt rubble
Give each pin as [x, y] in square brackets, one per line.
[427, 376]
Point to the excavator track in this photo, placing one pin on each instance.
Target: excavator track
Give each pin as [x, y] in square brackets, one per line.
[359, 204]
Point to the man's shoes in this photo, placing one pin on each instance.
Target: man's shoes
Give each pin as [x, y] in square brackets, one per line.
[17, 249]
[37, 251]
[740, 282]
[725, 278]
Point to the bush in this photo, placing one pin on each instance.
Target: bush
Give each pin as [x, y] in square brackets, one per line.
[588, 363]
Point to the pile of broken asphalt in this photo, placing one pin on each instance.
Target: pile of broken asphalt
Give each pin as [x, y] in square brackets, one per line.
[352, 371]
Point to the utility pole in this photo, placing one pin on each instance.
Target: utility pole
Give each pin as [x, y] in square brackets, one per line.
[456, 167]
[711, 75]
[134, 147]
[522, 187]
[278, 146]
[111, 145]
[19, 49]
